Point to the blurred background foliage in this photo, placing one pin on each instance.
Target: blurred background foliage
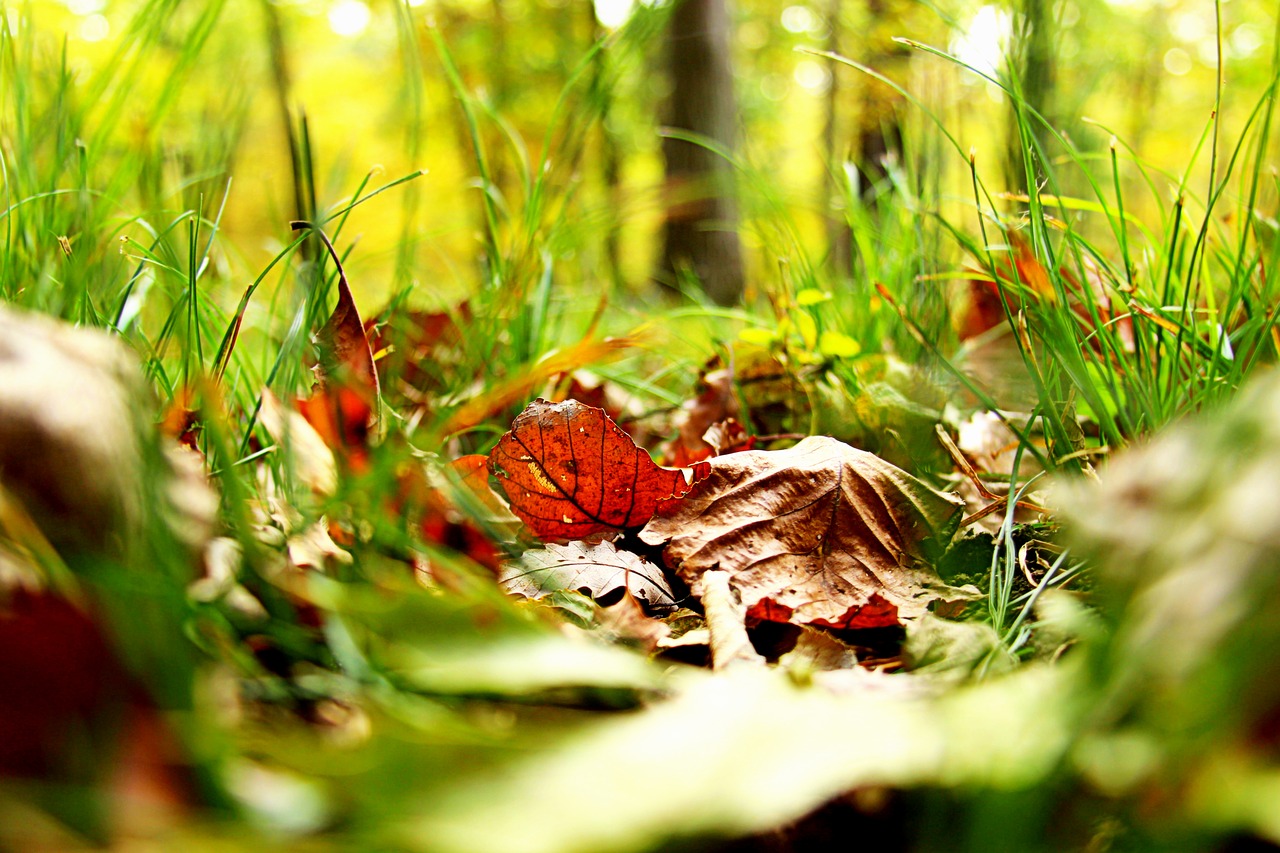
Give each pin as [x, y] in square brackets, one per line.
[371, 84]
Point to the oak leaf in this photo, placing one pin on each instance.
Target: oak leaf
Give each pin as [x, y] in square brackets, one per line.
[598, 570]
[820, 534]
[570, 472]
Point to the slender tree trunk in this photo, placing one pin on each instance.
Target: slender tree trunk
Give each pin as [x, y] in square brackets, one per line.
[701, 237]
[839, 235]
[1037, 76]
[879, 125]
[610, 159]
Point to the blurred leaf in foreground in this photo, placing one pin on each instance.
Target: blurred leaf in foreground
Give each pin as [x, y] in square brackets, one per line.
[755, 753]
[1186, 532]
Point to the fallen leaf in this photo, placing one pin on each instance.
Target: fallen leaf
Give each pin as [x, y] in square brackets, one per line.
[311, 458]
[598, 570]
[570, 472]
[817, 651]
[180, 420]
[1007, 734]
[714, 403]
[344, 419]
[416, 351]
[820, 534]
[59, 677]
[71, 451]
[628, 622]
[955, 649]
[343, 405]
[728, 436]
[313, 547]
[342, 342]
[726, 623]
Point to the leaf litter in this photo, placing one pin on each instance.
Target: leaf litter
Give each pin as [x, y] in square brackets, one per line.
[820, 541]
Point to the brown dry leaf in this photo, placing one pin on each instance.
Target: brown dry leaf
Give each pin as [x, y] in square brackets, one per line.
[819, 534]
[418, 353]
[343, 344]
[627, 621]
[570, 472]
[728, 436]
[726, 622]
[817, 651]
[312, 460]
[313, 547]
[598, 570]
[715, 403]
[343, 404]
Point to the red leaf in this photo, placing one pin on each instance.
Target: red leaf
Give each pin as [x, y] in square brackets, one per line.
[415, 350]
[58, 675]
[571, 472]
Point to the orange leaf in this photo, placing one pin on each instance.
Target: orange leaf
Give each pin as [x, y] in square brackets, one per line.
[571, 472]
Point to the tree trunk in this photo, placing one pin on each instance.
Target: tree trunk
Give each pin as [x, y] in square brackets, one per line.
[701, 238]
[1037, 76]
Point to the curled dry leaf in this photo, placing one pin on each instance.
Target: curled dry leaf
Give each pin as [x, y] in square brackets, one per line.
[343, 343]
[628, 622]
[728, 436]
[726, 622]
[343, 405]
[415, 351]
[715, 403]
[570, 472]
[819, 534]
[598, 570]
[312, 460]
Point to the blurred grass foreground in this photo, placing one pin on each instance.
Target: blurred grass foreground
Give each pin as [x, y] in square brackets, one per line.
[275, 274]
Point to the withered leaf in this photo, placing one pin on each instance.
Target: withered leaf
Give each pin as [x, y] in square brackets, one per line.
[820, 534]
[628, 622]
[342, 341]
[728, 436]
[570, 472]
[598, 570]
[342, 407]
[715, 403]
[416, 352]
[311, 458]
